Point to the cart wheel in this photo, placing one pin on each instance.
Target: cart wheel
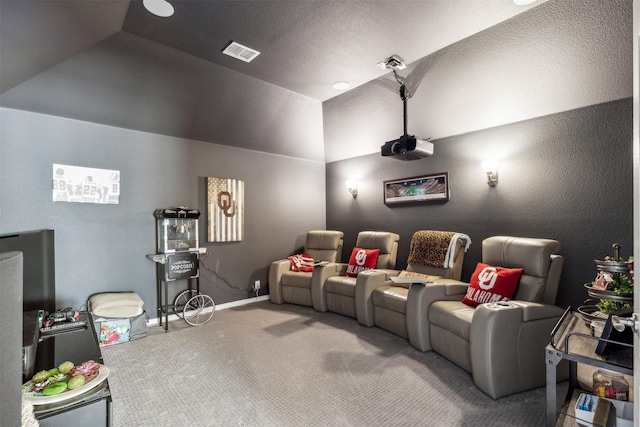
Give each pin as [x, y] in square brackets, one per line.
[181, 301]
[199, 310]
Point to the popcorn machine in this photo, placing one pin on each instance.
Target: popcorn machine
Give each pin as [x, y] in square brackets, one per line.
[176, 230]
[177, 258]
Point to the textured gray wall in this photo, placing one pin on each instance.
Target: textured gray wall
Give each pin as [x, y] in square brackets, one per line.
[121, 90]
[558, 56]
[102, 247]
[566, 176]
[547, 94]
[124, 86]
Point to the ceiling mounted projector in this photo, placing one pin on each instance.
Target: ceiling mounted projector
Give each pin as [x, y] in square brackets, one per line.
[407, 147]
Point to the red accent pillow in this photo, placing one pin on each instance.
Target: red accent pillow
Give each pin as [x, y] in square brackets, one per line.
[490, 284]
[362, 259]
[301, 262]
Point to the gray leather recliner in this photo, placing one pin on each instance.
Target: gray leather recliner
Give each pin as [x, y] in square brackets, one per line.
[333, 291]
[295, 286]
[501, 344]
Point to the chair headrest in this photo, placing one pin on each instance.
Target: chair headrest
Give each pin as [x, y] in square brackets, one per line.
[385, 241]
[323, 239]
[324, 245]
[533, 255]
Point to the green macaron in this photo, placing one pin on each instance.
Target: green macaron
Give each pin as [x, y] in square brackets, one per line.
[55, 388]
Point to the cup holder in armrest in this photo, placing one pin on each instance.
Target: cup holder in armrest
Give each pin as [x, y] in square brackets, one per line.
[500, 305]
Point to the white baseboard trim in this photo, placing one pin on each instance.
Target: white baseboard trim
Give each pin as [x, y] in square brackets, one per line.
[154, 321]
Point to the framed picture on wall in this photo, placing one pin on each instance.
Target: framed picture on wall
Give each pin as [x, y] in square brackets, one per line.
[225, 200]
[426, 188]
[79, 184]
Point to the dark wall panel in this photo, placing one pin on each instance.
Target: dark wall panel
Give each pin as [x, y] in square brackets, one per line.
[566, 176]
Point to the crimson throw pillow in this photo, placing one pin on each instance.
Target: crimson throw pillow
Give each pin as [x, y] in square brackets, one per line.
[362, 259]
[490, 284]
[301, 262]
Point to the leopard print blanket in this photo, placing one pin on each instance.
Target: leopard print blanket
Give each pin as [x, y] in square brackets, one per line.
[429, 247]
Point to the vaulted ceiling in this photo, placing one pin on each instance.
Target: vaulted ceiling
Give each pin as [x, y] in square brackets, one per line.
[305, 46]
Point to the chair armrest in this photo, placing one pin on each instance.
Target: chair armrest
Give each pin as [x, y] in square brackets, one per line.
[319, 276]
[366, 282]
[446, 289]
[420, 298]
[507, 345]
[276, 270]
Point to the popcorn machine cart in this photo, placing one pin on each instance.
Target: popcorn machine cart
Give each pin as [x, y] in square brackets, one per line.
[178, 257]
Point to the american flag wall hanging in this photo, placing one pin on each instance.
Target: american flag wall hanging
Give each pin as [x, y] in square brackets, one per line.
[225, 198]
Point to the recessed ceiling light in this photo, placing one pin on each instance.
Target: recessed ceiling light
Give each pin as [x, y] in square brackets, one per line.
[160, 8]
[341, 85]
[524, 2]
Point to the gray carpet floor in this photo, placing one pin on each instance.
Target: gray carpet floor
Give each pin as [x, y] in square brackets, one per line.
[269, 365]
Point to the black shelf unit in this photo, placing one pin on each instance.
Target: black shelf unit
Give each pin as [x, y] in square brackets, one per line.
[92, 408]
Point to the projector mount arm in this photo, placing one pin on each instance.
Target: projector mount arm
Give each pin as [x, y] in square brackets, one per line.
[407, 147]
[404, 95]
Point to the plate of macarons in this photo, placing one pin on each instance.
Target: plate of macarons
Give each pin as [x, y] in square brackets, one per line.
[64, 382]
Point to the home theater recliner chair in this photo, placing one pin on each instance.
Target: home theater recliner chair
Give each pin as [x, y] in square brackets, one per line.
[336, 292]
[400, 308]
[295, 286]
[501, 343]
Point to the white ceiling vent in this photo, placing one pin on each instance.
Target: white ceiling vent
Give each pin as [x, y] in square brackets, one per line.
[238, 51]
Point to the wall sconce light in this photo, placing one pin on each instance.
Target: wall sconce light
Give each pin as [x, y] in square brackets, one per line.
[353, 188]
[491, 169]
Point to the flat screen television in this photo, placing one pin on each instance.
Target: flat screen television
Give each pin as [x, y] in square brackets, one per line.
[39, 278]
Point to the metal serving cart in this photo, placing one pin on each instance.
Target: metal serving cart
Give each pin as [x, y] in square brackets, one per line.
[573, 340]
[178, 257]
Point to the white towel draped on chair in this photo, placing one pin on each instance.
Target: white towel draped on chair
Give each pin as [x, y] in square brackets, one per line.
[451, 251]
